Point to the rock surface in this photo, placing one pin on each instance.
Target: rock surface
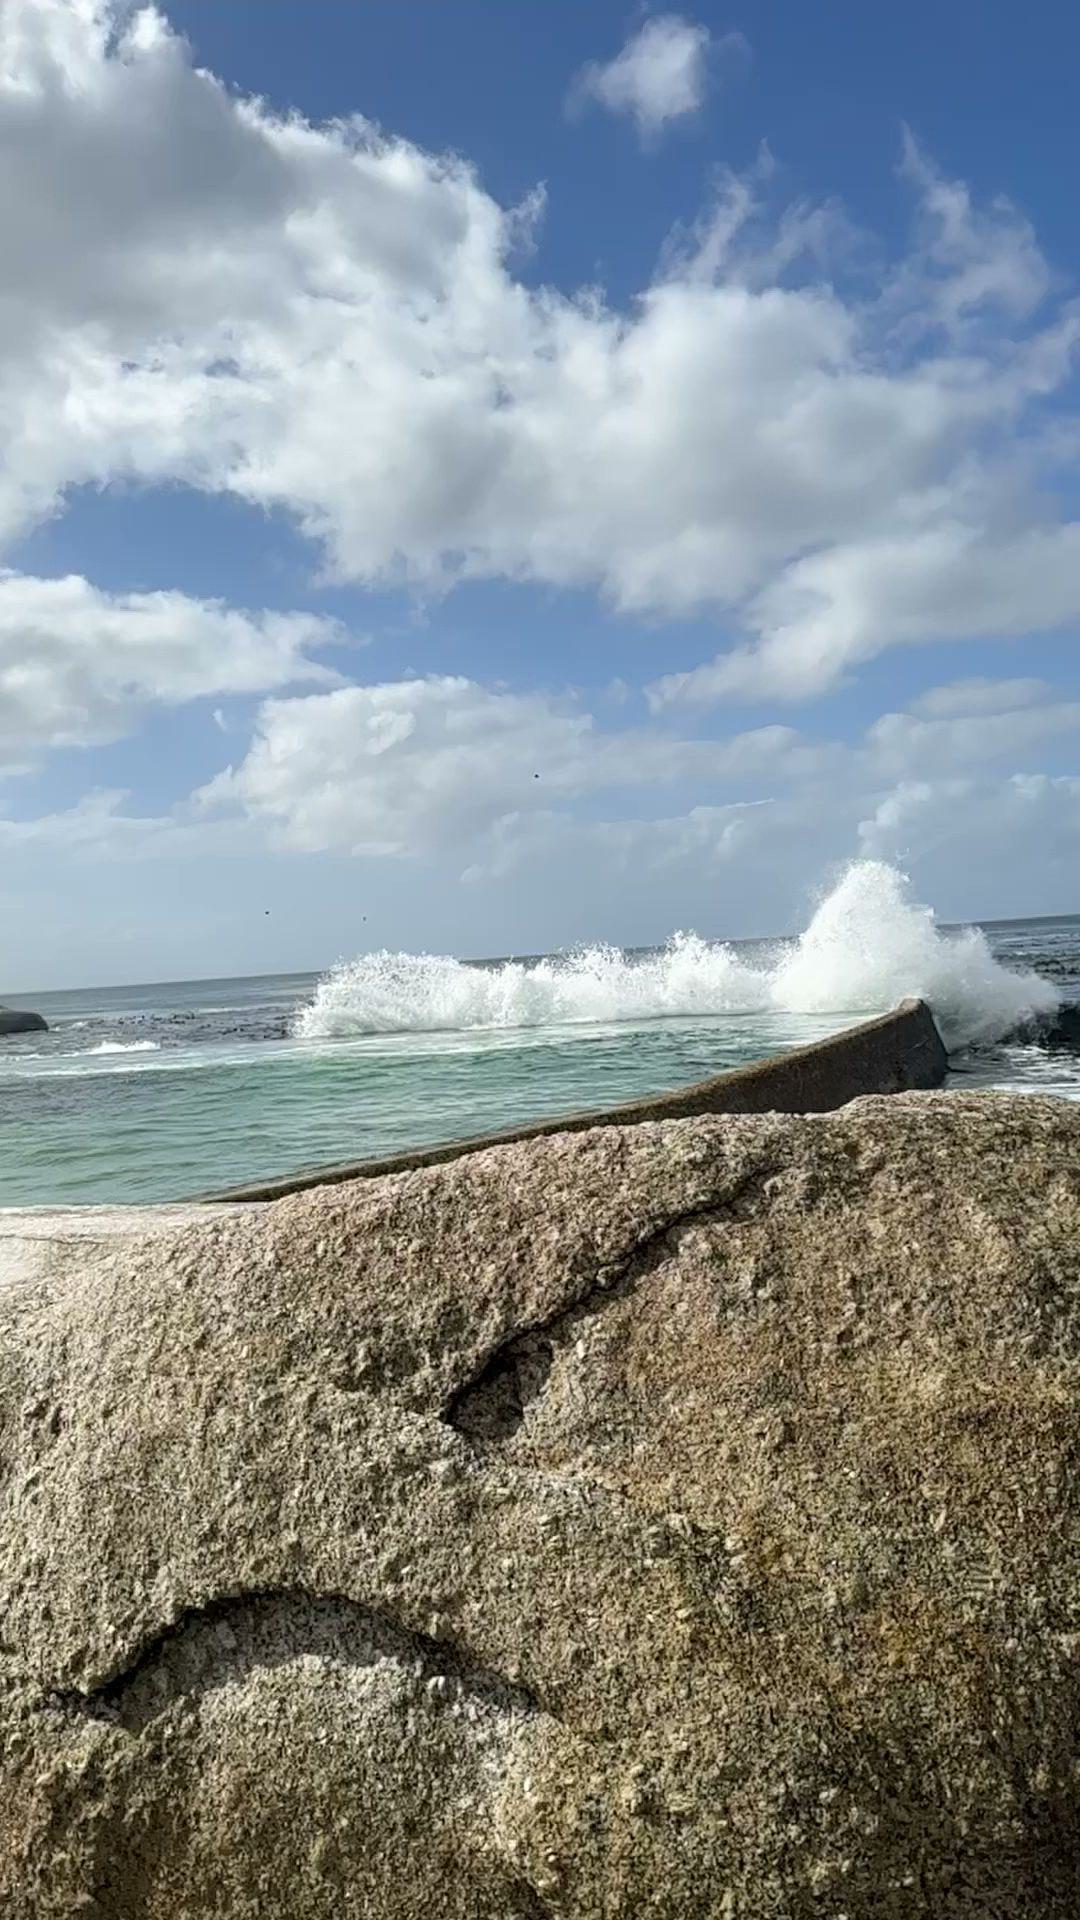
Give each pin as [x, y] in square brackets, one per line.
[671, 1521]
[19, 1020]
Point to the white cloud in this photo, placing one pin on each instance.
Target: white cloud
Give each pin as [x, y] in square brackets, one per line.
[413, 767]
[970, 259]
[1027, 825]
[327, 321]
[397, 770]
[79, 666]
[843, 605]
[492, 780]
[706, 837]
[660, 75]
[931, 796]
[101, 826]
[439, 774]
[974, 844]
[979, 695]
[89, 821]
[901, 743]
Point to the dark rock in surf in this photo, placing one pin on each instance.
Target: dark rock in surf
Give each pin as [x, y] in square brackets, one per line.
[1055, 1033]
[1064, 1035]
[18, 1020]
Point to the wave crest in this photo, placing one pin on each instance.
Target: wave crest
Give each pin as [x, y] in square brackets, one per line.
[868, 945]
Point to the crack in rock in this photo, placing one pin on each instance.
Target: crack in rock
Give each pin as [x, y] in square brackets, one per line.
[493, 1402]
[224, 1642]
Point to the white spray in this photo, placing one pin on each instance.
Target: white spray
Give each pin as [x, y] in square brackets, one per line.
[868, 945]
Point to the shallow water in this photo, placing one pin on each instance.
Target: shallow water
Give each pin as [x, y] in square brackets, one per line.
[164, 1091]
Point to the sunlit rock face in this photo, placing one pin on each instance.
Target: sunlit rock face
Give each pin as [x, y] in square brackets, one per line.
[673, 1520]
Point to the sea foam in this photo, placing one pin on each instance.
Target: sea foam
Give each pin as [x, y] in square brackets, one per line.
[123, 1046]
[868, 945]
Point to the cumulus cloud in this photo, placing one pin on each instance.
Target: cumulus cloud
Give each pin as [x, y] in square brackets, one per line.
[493, 782]
[327, 321]
[660, 75]
[79, 666]
[441, 774]
[413, 767]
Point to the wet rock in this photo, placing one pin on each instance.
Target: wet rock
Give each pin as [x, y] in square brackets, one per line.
[1063, 1035]
[20, 1020]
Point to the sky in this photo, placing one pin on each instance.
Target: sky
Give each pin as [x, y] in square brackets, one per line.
[483, 478]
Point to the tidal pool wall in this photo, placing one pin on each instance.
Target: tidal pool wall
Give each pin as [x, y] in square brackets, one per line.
[895, 1053]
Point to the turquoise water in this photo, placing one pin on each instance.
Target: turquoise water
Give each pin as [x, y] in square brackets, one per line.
[171, 1090]
[201, 1113]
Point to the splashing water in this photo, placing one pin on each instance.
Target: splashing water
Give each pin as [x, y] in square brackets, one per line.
[870, 944]
[867, 946]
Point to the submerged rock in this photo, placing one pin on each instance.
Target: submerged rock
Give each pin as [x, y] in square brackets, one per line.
[678, 1520]
[18, 1020]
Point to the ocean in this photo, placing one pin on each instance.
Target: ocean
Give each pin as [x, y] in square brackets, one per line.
[166, 1091]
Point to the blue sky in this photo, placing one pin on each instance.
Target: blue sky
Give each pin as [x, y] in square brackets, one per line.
[487, 477]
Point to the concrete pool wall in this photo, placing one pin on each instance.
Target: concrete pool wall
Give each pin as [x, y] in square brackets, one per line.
[894, 1053]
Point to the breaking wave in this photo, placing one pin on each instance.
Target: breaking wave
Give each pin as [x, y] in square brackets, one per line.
[869, 944]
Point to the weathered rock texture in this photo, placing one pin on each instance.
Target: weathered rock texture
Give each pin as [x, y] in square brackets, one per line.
[669, 1521]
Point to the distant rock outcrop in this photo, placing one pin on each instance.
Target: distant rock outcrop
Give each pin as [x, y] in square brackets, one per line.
[17, 1020]
[680, 1520]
